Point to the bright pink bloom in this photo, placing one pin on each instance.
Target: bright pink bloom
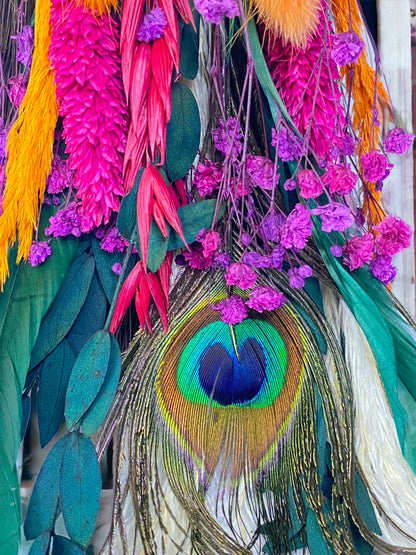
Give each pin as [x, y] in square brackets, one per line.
[261, 171]
[297, 228]
[335, 216]
[394, 235]
[211, 242]
[375, 166]
[382, 268]
[309, 184]
[358, 250]
[340, 179]
[398, 141]
[265, 298]
[233, 310]
[207, 177]
[85, 57]
[241, 275]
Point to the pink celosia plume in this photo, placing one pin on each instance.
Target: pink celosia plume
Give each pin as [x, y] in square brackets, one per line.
[84, 55]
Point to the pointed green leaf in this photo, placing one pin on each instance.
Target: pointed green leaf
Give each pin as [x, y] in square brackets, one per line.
[65, 308]
[127, 216]
[44, 503]
[80, 488]
[189, 48]
[40, 545]
[316, 541]
[64, 546]
[95, 415]
[183, 132]
[104, 262]
[87, 376]
[365, 506]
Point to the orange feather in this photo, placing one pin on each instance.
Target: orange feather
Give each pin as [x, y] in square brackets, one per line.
[99, 6]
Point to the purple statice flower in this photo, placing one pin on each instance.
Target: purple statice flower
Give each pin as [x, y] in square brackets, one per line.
[201, 234]
[210, 243]
[261, 171]
[207, 177]
[256, 260]
[245, 239]
[277, 256]
[382, 268]
[340, 179]
[336, 250]
[60, 176]
[214, 10]
[66, 221]
[233, 310]
[264, 297]
[335, 216]
[3, 139]
[117, 267]
[39, 251]
[17, 91]
[222, 259]
[152, 25]
[227, 137]
[271, 226]
[241, 275]
[298, 275]
[346, 48]
[309, 184]
[297, 228]
[375, 166]
[113, 241]
[358, 250]
[24, 41]
[289, 147]
[398, 141]
[348, 145]
[290, 184]
[196, 259]
[393, 236]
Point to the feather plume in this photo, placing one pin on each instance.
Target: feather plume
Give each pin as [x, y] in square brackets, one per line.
[30, 143]
[294, 20]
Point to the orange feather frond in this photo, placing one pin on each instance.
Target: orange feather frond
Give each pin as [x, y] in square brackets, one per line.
[99, 6]
[362, 89]
[29, 144]
[293, 20]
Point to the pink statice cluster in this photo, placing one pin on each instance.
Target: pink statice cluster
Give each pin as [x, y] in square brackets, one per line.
[152, 25]
[84, 55]
[39, 252]
[207, 177]
[397, 141]
[346, 48]
[227, 137]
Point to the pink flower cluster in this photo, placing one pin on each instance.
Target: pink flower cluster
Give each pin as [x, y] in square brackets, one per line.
[214, 10]
[234, 309]
[84, 55]
[207, 177]
[397, 141]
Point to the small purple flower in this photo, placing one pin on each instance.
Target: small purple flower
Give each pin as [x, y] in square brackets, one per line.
[17, 91]
[298, 275]
[398, 141]
[271, 226]
[290, 184]
[222, 259]
[233, 310]
[211, 242]
[335, 216]
[256, 260]
[207, 177]
[264, 297]
[382, 268]
[196, 258]
[297, 228]
[117, 267]
[39, 251]
[277, 256]
[289, 147]
[3, 139]
[348, 145]
[261, 171]
[66, 221]
[336, 250]
[245, 239]
[60, 176]
[358, 250]
[227, 137]
[152, 25]
[200, 235]
[215, 10]
[375, 166]
[24, 41]
[113, 241]
[346, 48]
[241, 275]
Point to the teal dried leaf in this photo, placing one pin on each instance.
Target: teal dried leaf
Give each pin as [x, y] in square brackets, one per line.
[316, 541]
[54, 377]
[183, 132]
[44, 502]
[87, 376]
[365, 506]
[26, 406]
[193, 218]
[40, 545]
[65, 308]
[127, 216]
[98, 410]
[80, 488]
[103, 262]
[189, 48]
[64, 546]
[158, 246]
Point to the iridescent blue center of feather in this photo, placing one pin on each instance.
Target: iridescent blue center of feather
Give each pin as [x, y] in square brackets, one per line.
[247, 371]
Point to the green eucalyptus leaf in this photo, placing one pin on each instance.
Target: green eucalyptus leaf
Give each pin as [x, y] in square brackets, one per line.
[104, 262]
[183, 132]
[65, 308]
[44, 502]
[87, 376]
[80, 488]
[97, 412]
[189, 48]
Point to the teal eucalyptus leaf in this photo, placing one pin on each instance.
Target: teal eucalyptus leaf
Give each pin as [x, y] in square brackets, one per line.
[64, 546]
[183, 132]
[95, 415]
[316, 541]
[189, 48]
[41, 545]
[87, 376]
[80, 488]
[44, 503]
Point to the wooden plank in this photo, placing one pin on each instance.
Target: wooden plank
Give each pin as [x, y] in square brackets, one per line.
[396, 60]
